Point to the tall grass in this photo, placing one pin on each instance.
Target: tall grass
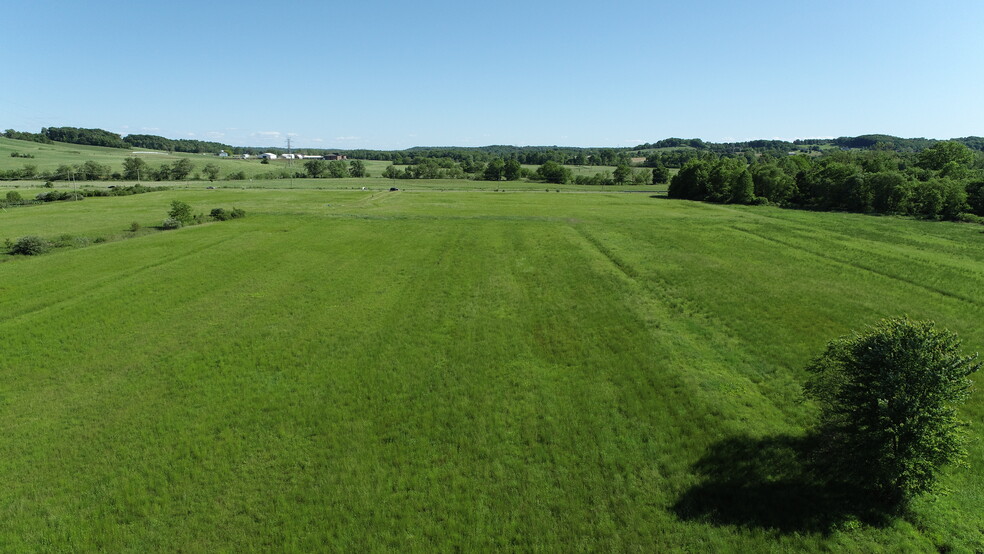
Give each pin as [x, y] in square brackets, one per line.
[438, 371]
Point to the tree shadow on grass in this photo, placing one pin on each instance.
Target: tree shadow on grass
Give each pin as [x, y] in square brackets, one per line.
[775, 483]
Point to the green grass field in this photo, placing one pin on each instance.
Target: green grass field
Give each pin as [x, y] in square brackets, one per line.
[48, 157]
[451, 370]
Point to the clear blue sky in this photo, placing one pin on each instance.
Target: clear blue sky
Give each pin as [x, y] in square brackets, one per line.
[377, 74]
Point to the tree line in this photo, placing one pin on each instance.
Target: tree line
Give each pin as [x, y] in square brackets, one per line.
[945, 180]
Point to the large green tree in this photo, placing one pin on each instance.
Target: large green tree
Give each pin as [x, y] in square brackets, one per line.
[181, 169]
[181, 211]
[357, 168]
[495, 170]
[134, 168]
[337, 169]
[936, 157]
[772, 183]
[887, 397]
[513, 170]
[661, 174]
[621, 174]
[316, 168]
[553, 172]
[211, 171]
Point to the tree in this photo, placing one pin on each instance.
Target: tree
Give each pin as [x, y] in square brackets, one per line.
[942, 198]
[133, 168]
[621, 174]
[690, 183]
[211, 171]
[742, 190]
[316, 168]
[391, 172]
[940, 154]
[772, 183]
[182, 169]
[91, 171]
[553, 172]
[887, 401]
[891, 192]
[513, 170]
[163, 173]
[661, 174]
[642, 177]
[724, 179]
[337, 169]
[181, 211]
[975, 197]
[357, 168]
[495, 170]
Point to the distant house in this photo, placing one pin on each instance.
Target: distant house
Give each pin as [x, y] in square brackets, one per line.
[268, 156]
[335, 157]
[223, 154]
[245, 156]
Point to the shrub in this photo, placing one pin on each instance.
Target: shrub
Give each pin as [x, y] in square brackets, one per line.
[30, 246]
[64, 240]
[237, 213]
[970, 218]
[13, 196]
[134, 227]
[171, 223]
[219, 214]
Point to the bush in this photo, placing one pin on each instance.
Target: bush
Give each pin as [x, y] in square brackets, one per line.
[970, 218]
[171, 223]
[30, 246]
[219, 214]
[134, 227]
[237, 213]
[13, 197]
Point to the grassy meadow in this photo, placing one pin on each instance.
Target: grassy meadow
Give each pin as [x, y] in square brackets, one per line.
[452, 370]
[48, 157]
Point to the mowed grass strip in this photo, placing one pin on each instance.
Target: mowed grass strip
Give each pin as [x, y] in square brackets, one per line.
[422, 371]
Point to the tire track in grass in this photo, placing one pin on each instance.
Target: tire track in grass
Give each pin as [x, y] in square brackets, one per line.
[705, 353]
[910, 248]
[831, 258]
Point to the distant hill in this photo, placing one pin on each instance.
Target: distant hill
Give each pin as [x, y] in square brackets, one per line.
[100, 137]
